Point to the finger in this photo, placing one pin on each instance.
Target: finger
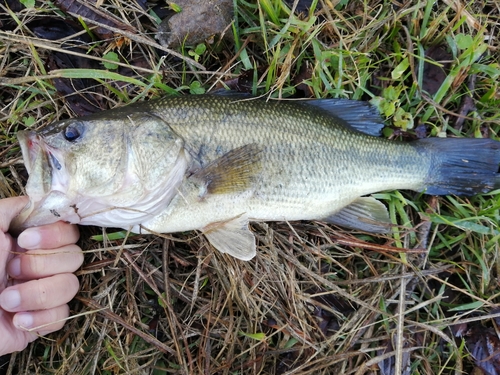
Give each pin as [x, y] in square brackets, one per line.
[50, 236]
[6, 247]
[43, 322]
[35, 264]
[40, 294]
[10, 208]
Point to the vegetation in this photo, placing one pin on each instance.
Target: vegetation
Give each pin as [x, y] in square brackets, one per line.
[317, 299]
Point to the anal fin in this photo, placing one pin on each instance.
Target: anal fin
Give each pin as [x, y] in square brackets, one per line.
[232, 237]
[365, 213]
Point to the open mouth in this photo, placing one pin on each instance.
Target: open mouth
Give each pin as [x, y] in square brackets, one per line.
[44, 165]
[30, 147]
[33, 147]
[54, 162]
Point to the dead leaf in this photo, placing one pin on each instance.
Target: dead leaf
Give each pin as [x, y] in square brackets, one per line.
[244, 82]
[89, 10]
[197, 22]
[388, 365]
[305, 74]
[435, 72]
[6, 22]
[484, 346]
[302, 6]
[75, 91]
[326, 302]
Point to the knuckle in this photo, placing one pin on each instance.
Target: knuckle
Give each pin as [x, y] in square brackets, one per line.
[67, 233]
[73, 283]
[41, 295]
[35, 264]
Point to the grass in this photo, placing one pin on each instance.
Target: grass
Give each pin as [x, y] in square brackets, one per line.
[317, 299]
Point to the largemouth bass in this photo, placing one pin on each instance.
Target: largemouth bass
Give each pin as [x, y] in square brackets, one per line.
[214, 163]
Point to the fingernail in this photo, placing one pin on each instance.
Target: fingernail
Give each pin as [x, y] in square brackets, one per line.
[10, 299]
[15, 267]
[23, 320]
[29, 239]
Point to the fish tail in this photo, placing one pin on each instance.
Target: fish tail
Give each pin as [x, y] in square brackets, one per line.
[462, 166]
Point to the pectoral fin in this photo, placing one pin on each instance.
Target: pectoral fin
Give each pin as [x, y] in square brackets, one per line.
[232, 172]
[232, 237]
[365, 213]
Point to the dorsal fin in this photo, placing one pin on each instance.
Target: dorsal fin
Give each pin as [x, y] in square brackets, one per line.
[358, 115]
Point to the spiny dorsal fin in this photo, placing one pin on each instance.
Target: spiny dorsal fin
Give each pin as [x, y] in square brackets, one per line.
[365, 213]
[232, 172]
[232, 237]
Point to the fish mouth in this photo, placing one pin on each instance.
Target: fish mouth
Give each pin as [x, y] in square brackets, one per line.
[30, 148]
[43, 164]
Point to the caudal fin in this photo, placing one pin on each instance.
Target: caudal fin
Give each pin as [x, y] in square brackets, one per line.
[462, 166]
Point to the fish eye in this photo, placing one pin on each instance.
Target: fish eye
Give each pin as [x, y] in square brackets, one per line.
[73, 132]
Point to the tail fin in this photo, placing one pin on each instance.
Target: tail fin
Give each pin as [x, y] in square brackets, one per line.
[462, 166]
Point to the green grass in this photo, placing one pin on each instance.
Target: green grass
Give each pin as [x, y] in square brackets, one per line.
[221, 316]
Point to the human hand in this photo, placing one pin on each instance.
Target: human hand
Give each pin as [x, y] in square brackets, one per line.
[36, 279]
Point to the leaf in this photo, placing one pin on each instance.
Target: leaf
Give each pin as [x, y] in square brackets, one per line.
[388, 108]
[468, 306]
[391, 93]
[464, 41]
[200, 49]
[256, 336]
[113, 56]
[112, 236]
[28, 121]
[176, 8]
[97, 74]
[385, 106]
[195, 88]
[160, 300]
[400, 68]
[28, 3]
[290, 343]
[403, 119]
[463, 224]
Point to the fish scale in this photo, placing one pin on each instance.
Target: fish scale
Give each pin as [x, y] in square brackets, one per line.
[313, 156]
[215, 162]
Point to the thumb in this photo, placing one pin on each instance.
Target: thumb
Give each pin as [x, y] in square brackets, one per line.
[9, 209]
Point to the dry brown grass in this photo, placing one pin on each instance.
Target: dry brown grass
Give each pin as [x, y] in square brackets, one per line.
[316, 299]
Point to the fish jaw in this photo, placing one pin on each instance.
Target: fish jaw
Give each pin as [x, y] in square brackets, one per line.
[50, 209]
[47, 184]
[30, 147]
[44, 164]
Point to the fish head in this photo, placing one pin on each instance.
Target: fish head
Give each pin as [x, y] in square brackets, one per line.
[100, 170]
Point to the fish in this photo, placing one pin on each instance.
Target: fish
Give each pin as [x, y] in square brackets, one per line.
[215, 163]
